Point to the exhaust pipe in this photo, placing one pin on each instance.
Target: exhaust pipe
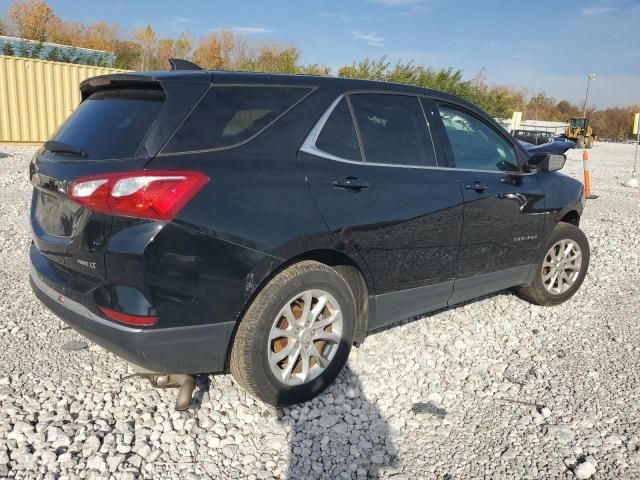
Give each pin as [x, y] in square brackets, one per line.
[187, 386]
[186, 383]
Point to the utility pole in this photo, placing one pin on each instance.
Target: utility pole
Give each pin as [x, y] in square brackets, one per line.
[590, 77]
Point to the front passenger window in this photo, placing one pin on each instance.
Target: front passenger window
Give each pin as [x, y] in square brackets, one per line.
[475, 145]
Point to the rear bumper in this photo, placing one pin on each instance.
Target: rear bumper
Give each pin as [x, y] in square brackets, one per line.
[189, 349]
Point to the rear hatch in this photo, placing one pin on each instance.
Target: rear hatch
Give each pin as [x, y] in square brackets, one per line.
[120, 125]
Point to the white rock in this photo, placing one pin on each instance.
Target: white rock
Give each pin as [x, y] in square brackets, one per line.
[114, 461]
[91, 446]
[97, 463]
[585, 470]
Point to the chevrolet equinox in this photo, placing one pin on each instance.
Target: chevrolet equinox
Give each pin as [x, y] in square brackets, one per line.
[193, 222]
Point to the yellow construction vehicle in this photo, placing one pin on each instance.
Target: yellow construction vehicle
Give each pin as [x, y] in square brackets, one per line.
[580, 132]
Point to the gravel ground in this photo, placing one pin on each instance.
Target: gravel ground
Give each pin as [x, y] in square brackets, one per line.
[495, 388]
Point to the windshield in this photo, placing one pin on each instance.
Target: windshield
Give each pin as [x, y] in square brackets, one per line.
[577, 122]
[111, 124]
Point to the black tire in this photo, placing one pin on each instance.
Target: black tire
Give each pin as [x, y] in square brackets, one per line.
[580, 142]
[536, 292]
[249, 355]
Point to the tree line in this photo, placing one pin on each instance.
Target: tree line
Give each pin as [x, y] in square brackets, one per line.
[143, 49]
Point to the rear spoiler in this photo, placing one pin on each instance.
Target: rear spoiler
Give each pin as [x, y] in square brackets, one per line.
[153, 80]
[93, 84]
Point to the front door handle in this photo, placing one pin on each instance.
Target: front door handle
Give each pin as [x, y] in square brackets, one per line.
[350, 183]
[477, 187]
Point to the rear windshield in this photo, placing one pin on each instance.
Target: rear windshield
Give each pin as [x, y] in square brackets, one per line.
[112, 123]
[229, 115]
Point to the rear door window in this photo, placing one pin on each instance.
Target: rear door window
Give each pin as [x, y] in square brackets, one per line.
[393, 129]
[229, 115]
[338, 136]
[111, 124]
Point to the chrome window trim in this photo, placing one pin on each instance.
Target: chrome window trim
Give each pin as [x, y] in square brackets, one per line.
[309, 144]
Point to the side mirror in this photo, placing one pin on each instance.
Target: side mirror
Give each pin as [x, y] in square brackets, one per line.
[546, 162]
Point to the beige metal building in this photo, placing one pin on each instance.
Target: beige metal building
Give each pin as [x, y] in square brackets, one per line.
[36, 96]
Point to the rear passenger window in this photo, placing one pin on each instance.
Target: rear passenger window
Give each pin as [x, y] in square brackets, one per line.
[393, 129]
[229, 115]
[475, 144]
[338, 136]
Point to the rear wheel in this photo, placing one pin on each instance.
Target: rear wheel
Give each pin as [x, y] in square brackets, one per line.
[296, 336]
[561, 270]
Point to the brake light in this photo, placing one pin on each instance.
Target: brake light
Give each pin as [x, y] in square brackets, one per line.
[137, 320]
[154, 194]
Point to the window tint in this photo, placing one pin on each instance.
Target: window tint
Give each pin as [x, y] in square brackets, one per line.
[338, 136]
[112, 123]
[475, 144]
[230, 115]
[393, 129]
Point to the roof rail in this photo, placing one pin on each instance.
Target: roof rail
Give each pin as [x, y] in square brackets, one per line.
[180, 64]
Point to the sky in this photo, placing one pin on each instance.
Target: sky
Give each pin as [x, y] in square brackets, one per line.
[548, 45]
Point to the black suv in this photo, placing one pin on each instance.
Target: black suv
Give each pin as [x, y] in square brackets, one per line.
[196, 221]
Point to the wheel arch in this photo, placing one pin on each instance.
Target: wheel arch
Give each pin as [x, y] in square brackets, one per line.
[354, 273]
[572, 217]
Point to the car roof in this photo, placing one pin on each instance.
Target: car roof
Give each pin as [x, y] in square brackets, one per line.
[229, 77]
[218, 76]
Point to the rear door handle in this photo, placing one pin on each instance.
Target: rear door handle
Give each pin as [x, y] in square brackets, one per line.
[350, 183]
[477, 187]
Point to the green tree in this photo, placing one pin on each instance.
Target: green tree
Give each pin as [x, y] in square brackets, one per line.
[24, 49]
[273, 58]
[36, 50]
[183, 46]
[7, 49]
[127, 54]
[147, 39]
[498, 101]
[54, 55]
[100, 60]
[314, 69]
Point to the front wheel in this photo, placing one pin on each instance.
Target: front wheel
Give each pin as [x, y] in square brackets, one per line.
[561, 270]
[296, 336]
[590, 142]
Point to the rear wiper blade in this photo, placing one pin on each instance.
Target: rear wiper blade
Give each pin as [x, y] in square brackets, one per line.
[61, 147]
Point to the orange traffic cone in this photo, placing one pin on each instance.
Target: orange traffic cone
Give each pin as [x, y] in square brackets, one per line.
[587, 178]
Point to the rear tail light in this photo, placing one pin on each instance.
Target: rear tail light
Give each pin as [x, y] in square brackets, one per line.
[135, 320]
[154, 194]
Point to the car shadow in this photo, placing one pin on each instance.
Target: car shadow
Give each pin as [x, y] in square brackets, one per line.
[339, 434]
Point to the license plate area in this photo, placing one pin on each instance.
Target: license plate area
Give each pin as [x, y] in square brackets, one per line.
[57, 215]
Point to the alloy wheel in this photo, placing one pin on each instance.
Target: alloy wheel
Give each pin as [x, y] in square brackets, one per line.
[561, 266]
[305, 337]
